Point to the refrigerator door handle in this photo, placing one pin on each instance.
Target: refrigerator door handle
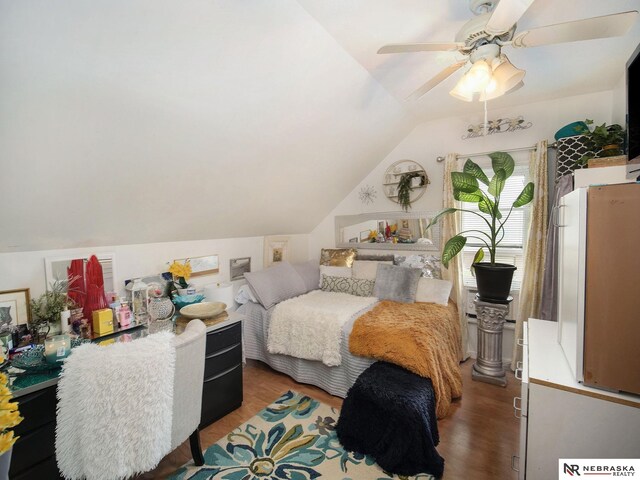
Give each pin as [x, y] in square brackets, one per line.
[555, 216]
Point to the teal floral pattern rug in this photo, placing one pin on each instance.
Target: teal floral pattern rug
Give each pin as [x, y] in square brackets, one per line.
[292, 439]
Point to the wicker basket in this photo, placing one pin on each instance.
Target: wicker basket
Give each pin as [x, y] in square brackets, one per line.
[607, 161]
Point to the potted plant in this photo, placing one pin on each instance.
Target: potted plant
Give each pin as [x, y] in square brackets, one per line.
[406, 186]
[493, 279]
[46, 309]
[606, 141]
[181, 273]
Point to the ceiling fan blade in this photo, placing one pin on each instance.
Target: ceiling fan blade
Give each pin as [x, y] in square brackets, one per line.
[421, 47]
[590, 28]
[443, 75]
[505, 15]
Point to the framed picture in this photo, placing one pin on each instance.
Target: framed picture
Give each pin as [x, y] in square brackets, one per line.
[14, 307]
[238, 267]
[276, 249]
[200, 266]
[381, 227]
[364, 235]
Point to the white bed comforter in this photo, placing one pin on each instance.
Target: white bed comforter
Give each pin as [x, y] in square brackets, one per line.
[310, 326]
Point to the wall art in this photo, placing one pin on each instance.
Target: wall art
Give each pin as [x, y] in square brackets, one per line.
[501, 125]
[14, 307]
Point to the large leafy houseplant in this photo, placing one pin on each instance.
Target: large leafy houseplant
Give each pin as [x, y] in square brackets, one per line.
[467, 188]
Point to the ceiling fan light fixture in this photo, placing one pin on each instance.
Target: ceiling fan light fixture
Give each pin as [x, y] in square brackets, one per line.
[508, 76]
[498, 92]
[461, 91]
[478, 76]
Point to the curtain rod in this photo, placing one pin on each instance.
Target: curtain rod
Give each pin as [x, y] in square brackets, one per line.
[521, 149]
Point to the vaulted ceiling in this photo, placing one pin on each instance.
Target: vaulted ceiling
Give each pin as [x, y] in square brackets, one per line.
[159, 120]
[553, 71]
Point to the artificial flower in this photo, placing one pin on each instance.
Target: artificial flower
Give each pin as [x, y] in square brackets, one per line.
[9, 416]
[181, 273]
[6, 441]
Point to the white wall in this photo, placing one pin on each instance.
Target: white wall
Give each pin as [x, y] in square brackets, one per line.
[197, 119]
[437, 138]
[26, 269]
[619, 94]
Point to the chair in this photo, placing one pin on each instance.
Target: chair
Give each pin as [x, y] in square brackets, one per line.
[98, 387]
[187, 388]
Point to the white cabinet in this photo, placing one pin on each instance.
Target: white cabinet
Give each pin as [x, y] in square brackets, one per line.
[561, 418]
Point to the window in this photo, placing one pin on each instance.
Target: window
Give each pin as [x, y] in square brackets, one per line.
[511, 249]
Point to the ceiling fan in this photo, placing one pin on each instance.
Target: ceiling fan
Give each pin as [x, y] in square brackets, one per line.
[482, 38]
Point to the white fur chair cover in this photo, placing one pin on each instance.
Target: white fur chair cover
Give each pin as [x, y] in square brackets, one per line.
[115, 407]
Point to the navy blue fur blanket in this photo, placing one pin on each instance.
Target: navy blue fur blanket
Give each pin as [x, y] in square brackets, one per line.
[389, 413]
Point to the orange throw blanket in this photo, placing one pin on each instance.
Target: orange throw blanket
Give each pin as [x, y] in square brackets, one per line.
[424, 338]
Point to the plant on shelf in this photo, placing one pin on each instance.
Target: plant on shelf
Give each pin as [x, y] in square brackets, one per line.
[493, 279]
[405, 187]
[603, 140]
[46, 309]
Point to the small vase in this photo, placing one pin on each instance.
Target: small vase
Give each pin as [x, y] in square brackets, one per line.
[190, 290]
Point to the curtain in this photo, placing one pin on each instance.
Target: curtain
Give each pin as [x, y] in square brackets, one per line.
[549, 303]
[451, 225]
[535, 247]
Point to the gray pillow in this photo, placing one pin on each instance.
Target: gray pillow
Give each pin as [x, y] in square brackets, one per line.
[275, 284]
[396, 283]
[310, 273]
[360, 287]
[430, 265]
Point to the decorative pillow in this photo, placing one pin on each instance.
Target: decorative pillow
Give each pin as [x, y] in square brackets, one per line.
[375, 258]
[366, 269]
[244, 295]
[310, 273]
[430, 265]
[353, 286]
[275, 284]
[433, 290]
[345, 272]
[396, 283]
[337, 257]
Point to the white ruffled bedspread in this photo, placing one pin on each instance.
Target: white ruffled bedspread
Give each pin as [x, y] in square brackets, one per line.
[310, 326]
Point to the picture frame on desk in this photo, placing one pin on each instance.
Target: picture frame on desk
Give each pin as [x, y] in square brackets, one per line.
[14, 307]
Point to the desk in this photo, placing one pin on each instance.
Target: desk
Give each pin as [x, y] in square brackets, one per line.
[34, 452]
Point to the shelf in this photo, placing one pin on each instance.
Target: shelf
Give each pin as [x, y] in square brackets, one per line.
[391, 179]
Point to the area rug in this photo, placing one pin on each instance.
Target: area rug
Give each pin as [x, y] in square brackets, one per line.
[294, 438]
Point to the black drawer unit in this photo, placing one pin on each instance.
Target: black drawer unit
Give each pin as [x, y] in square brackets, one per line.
[222, 389]
[33, 454]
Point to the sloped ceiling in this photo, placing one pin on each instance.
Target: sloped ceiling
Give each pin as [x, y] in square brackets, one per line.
[554, 71]
[159, 120]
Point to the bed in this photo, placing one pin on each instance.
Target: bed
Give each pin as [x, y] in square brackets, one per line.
[334, 380]
[327, 338]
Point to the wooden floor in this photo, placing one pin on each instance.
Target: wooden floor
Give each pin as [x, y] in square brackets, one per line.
[477, 439]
